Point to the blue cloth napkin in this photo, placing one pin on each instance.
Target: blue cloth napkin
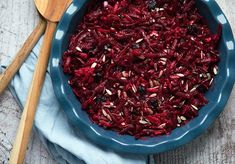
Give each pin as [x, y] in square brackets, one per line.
[63, 143]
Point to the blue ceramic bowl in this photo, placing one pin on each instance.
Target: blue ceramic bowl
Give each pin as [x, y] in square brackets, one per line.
[217, 95]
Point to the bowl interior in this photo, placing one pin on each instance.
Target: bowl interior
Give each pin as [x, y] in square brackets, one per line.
[80, 119]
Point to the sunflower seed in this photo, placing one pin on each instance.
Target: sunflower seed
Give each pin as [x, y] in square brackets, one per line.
[192, 38]
[108, 91]
[123, 123]
[104, 112]
[208, 75]
[94, 65]
[131, 109]
[107, 106]
[105, 4]
[139, 40]
[79, 49]
[155, 66]
[202, 54]
[180, 74]
[183, 118]
[179, 120]
[163, 59]
[124, 94]
[150, 83]
[162, 125]
[215, 70]
[142, 57]
[121, 87]
[121, 114]
[163, 62]
[134, 88]
[125, 74]
[193, 89]
[106, 115]
[152, 20]
[171, 98]
[182, 103]
[156, 83]
[119, 93]
[186, 88]
[130, 102]
[194, 107]
[104, 58]
[143, 122]
[154, 34]
[153, 95]
[160, 74]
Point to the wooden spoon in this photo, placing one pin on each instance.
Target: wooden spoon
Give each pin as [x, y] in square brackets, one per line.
[51, 10]
[20, 57]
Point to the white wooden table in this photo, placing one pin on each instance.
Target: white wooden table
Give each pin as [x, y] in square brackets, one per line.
[17, 20]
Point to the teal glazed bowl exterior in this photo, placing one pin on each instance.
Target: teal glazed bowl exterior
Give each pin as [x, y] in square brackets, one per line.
[217, 95]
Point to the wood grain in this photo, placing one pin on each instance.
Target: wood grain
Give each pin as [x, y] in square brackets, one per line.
[27, 118]
[20, 57]
[17, 20]
[52, 11]
[19, 17]
[52, 14]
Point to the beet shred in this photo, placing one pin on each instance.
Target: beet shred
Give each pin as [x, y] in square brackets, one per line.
[142, 67]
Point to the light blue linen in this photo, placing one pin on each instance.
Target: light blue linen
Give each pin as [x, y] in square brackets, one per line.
[51, 125]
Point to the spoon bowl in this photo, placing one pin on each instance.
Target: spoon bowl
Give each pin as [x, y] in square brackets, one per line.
[52, 10]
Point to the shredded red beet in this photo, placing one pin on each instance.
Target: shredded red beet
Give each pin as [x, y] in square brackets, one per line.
[142, 67]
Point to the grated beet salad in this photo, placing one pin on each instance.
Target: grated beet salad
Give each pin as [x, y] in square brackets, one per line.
[142, 67]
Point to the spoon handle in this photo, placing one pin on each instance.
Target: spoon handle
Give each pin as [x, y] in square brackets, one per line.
[23, 53]
[27, 118]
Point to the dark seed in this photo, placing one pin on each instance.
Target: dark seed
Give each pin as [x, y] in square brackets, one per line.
[118, 68]
[182, 40]
[141, 90]
[100, 98]
[135, 112]
[153, 103]
[152, 4]
[192, 29]
[135, 46]
[89, 106]
[97, 77]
